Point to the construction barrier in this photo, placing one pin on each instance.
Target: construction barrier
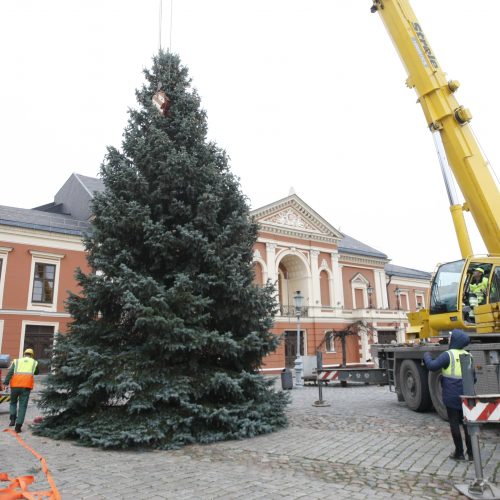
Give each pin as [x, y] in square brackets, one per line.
[18, 487]
[328, 375]
[482, 408]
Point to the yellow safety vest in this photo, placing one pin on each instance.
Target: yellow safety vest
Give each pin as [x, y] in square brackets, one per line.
[479, 289]
[24, 370]
[454, 369]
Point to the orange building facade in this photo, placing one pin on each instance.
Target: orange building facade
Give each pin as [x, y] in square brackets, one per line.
[343, 281]
[37, 267]
[40, 249]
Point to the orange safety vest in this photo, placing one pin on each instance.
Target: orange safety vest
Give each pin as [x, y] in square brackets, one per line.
[24, 373]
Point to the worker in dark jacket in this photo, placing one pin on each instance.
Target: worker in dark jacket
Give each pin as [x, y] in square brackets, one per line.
[449, 363]
[21, 378]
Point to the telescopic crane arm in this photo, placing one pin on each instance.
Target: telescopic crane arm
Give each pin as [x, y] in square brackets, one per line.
[449, 123]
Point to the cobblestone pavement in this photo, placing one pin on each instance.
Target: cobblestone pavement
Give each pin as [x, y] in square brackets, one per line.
[365, 445]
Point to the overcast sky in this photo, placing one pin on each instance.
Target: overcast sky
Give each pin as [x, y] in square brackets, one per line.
[303, 94]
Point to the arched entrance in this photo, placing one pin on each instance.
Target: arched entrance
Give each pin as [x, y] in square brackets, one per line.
[293, 275]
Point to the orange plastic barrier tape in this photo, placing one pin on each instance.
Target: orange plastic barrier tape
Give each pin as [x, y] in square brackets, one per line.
[18, 487]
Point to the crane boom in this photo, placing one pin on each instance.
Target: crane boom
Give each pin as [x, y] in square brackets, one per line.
[464, 294]
[445, 116]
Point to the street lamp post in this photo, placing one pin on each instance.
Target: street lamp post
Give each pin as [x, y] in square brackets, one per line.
[369, 291]
[298, 300]
[398, 294]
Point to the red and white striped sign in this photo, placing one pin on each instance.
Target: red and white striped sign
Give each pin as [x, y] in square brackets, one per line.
[481, 410]
[328, 375]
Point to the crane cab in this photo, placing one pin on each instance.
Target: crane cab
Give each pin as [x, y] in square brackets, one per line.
[464, 294]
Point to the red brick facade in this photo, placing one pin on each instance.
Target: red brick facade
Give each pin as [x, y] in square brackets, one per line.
[343, 282]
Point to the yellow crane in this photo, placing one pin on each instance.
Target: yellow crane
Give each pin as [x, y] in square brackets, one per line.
[452, 303]
[465, 293]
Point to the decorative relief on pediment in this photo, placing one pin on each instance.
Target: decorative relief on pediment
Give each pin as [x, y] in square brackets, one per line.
[290, 218]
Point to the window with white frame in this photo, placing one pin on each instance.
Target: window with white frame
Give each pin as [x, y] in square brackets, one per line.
[359, 288]
[405, 300]
[44, 282]
[420, 300]
[4, 253]
[329, 341]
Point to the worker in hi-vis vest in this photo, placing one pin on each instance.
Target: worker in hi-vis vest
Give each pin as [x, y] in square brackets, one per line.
[21, 378]
[478, 286]
[451, 382]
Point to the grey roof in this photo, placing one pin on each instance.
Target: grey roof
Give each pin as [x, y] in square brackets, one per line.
[43, 221]
[406, 272]
[91, 184]
[53, 207]
[351, 245]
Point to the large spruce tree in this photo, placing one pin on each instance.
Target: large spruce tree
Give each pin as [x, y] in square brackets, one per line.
[168, 333]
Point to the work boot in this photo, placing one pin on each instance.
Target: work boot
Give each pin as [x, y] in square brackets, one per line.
[457, 456]
[18, 428]
[12, 421]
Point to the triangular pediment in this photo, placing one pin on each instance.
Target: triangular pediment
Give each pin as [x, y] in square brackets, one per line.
[292, 216]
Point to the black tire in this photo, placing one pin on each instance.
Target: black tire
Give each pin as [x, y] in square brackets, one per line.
[436, 393]
[414, 385]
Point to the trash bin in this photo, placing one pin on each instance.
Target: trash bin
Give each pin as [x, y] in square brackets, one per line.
[4, 360]
[286, 379]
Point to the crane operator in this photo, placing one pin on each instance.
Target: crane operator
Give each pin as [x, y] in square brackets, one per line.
[477, 287]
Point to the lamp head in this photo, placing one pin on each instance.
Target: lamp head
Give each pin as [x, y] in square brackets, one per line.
[298, 300]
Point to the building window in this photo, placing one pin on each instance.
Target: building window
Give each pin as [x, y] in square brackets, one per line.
[420, 301]
[324, 282]
[359, 299]
[4, 253]
[258, 278]
[43, 283]
[329, 342]
[39, 336]
[404, 301]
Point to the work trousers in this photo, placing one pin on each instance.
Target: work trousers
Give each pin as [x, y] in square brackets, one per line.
[22, 395]
[456, 418]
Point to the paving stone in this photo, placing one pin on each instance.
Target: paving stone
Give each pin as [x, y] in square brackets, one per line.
[366, 445]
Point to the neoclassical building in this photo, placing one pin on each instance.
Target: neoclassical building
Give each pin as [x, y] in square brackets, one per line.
[343, 281]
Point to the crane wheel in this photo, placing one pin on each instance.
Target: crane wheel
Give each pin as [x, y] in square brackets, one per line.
[414, 385]
[436, 393]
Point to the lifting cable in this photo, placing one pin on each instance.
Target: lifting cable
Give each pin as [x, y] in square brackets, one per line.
[160, 16]
[160, 98]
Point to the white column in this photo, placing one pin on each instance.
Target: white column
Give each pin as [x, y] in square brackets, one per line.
[338, 286]
[380, 290]
[315, 283]
[272, 273]
[365, 348]
[400, 333]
